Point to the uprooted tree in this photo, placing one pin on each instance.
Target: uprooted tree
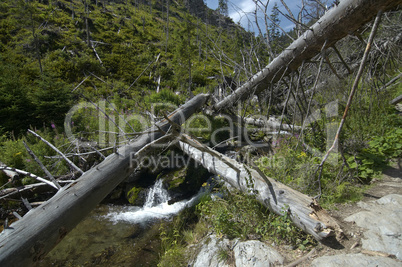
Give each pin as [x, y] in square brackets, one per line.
[30, 238]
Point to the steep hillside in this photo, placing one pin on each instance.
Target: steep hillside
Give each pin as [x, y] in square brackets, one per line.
[128, 49]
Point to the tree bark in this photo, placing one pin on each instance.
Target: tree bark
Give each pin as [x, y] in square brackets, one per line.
[31, 238]
[279, 198]
[338, 22]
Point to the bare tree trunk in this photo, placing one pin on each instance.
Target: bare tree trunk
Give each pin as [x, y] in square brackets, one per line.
[345, 18]
[279, 198]
[31, 238]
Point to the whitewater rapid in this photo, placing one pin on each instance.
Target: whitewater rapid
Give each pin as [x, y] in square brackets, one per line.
[156, 207]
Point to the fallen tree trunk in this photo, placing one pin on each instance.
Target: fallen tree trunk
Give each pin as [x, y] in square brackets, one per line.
[279, 198]
[265, 124]
[338, 22]
[31, 238]
[271, 124]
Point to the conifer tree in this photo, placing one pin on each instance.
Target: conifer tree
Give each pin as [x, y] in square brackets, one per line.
[274, 34]
[223, 7]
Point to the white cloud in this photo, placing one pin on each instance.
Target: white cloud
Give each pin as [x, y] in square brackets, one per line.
[243, 11]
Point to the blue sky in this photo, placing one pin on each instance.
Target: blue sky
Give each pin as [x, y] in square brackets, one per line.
[242, 10]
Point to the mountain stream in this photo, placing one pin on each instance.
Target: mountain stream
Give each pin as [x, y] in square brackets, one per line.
[118, 235]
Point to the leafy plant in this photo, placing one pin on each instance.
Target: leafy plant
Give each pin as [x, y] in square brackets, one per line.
[239, 215]
[388, 145]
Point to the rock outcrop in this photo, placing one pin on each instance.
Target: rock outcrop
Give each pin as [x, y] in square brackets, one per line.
[224, 252]
[354, 260]
[382, 219]
[382, 231]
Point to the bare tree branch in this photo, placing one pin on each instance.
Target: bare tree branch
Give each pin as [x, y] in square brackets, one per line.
[338, 22]
[354, 88]
[29, 174]
[32, 154]
[58, 151]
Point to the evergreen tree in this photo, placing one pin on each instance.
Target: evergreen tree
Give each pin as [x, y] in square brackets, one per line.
[185, 49]
[274, 33]
[16, 111]
[223, 7]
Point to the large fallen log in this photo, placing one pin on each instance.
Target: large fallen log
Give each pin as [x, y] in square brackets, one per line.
[338, 22]
[31, 238]
[279, 198]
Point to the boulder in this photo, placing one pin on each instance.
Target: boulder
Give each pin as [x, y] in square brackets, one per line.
[354, 260]
[382, 219]
[216, 252]
[254, 253]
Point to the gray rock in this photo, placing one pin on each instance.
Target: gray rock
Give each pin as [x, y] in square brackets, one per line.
[256, 254]
[383, 223]
[208, 255]
[354, 260]
[246, 254]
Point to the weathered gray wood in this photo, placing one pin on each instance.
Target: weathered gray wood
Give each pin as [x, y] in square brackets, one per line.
[29, 189]
[393, 80]
[44, 169]
[31, 238]
[396, 100]
[25, 173]
[338, 22]
[265, 124]
[58, 151]
[279, 198]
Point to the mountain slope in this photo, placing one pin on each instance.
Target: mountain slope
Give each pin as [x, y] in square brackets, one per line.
[54, 45]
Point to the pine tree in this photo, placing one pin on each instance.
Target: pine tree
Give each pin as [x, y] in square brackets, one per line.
[274, 33]
[223, 7]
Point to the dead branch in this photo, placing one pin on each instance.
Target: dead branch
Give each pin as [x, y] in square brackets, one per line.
[354, 88]
[75, 88]
[58, 151]
[32, 154]
[300, 260]
[286, 104]
[338, 22]
[390, 82]
[9, 192]
[396, 100]
[36, 177]
[32, 237]
[139, 76]
[313, 90]
[341, 59]
[96, 54]
[279, 198]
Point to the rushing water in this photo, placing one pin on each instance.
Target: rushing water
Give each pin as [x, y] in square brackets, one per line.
[156, 207]
[118, 235]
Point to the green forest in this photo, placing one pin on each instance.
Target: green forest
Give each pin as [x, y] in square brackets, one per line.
[54, 45]
[91, 75]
